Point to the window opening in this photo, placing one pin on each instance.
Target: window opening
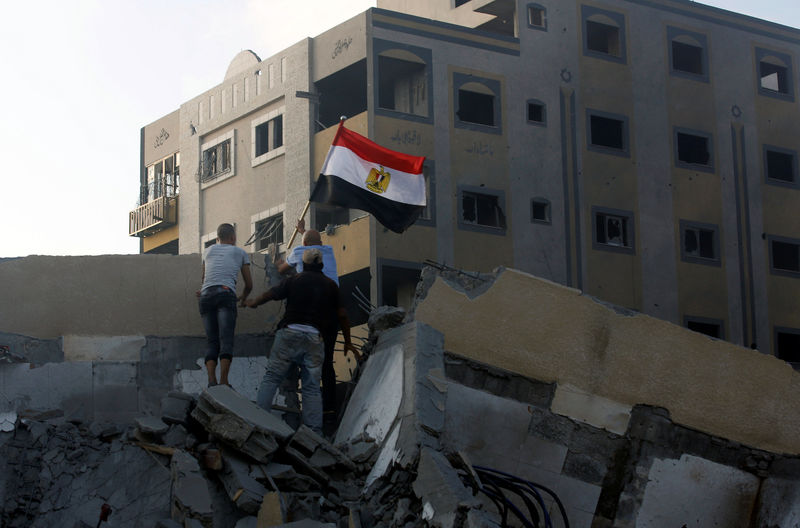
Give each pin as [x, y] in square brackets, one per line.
[780, 166]
[787, 346]
[693, 149]
[607, 132]
[612, 230]
[536, 16]
[474, 107]
[269, 230]
[536, 112]
[687, 58]
[269, 135]
[216, 160]
[482, 209]
[540, 211]
[785, 256]
[774, 77]
[709, 329]
[325, 215]
[403, 85]
[699, 242]
[602, 38]
[162, 179]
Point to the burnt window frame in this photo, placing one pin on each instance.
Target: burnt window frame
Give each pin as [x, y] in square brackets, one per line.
[538, 102]
[687, 319]
[629, 226]
[795, 182]
[715, 259]
[590, 145]
[548, 207]
[492, 85]
[206, 180]
[380, 47]
[674, 33]
[763, 53]
[784, 272]
[710, 166]
[618, 19]
[784, 330]
[540, 7]
[498, 194]
[261, 243]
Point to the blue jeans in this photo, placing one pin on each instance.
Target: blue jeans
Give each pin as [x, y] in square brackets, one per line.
[218, 309]
[293, 348]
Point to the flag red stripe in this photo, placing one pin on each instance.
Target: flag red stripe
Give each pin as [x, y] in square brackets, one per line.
[375, 153]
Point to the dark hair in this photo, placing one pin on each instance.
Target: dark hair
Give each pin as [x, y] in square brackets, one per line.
[225, 232]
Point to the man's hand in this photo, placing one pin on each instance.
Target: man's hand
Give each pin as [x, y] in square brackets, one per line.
[301, 226]
[353, 349]
[242, 301]
[250, 303]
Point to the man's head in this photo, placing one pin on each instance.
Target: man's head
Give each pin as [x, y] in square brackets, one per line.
[226, 234]
[312, 260]
[311, 238]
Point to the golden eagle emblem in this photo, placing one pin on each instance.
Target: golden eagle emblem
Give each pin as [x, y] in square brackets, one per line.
[378, 180]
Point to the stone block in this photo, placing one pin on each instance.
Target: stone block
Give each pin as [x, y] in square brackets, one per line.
[190, 497]
[240, 423]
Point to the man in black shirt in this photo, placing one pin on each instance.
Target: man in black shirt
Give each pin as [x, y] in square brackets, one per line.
[312, 303]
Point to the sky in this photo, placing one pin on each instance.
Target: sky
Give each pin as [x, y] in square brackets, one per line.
[83, 76]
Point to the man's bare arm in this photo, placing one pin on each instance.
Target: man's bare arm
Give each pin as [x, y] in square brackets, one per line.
[248, 284]
[258, 301]
[344, 324]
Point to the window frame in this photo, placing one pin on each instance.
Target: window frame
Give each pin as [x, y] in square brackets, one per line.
[630, 230]
[429, 172]
[781, 271]
[685, 225]
[548, 211]
[784, 330]
[528, 103]
[588, 12]
[795, 183]
[625, 150]
[260, 217]
[481, 228]
[267, 119]
[705, 320]
[543, 26]
[380, 47]
[672, 34]
[763, 53]
[494, 86]
[710, 167]
[213, 143]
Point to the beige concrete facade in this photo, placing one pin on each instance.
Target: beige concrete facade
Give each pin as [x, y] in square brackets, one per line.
[555, 334]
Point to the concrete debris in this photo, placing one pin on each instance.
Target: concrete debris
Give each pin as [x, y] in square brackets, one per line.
[176, 407]
[190, 498]
[385, 317]
[151, 425]
[243, 490]
[8, 422]
[240, 423]
[439, 487]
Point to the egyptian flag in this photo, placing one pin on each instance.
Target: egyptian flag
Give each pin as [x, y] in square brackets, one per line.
[360, 174]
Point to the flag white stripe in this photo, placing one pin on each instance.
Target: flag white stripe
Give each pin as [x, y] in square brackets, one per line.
[403, 187]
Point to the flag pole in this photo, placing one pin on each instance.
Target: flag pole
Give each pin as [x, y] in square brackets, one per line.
[302, 216]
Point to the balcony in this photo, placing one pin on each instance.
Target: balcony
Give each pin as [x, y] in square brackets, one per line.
[153, 216]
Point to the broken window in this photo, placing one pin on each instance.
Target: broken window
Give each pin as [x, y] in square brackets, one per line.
[403, 81]
[687, 58]
[428, 214]
[162, 178]
[267, 132]
[603, 34]
[693, 148]
[537, 16]
[536, 112]
[267, 231]
[398, 284]
[343, 93]
[699, 242]
[705, 326]
[540, 211]
[603, 38]
[482, 208]
[780, 164]
[477, 103]
[333, 215]
[607, 132]
[787, 344]
[774, 74]
[217, 158]
[613, 229]
[784, 255]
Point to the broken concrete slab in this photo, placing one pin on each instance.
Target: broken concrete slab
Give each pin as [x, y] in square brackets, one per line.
[440, 489]
[240, 423]
[8, 421]
[272, 511]
[176, 406]
[151, 425]
[242, 489]
[190, 498]
[312, 450]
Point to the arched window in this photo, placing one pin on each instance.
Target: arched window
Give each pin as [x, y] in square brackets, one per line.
[403, 79]
[477, 103]
[603, 34]
[688, 54]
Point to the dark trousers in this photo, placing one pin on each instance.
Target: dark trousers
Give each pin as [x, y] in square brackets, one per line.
[218, 310]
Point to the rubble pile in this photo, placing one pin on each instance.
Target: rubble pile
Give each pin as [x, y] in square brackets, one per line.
[215, 460]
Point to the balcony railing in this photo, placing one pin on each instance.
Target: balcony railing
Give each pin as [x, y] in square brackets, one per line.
[153, 216]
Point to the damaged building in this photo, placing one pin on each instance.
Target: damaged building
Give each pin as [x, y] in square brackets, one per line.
[500, 399]
[642, 152]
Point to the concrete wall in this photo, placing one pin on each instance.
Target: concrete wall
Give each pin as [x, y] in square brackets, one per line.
[112, 295]
[604, 362]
